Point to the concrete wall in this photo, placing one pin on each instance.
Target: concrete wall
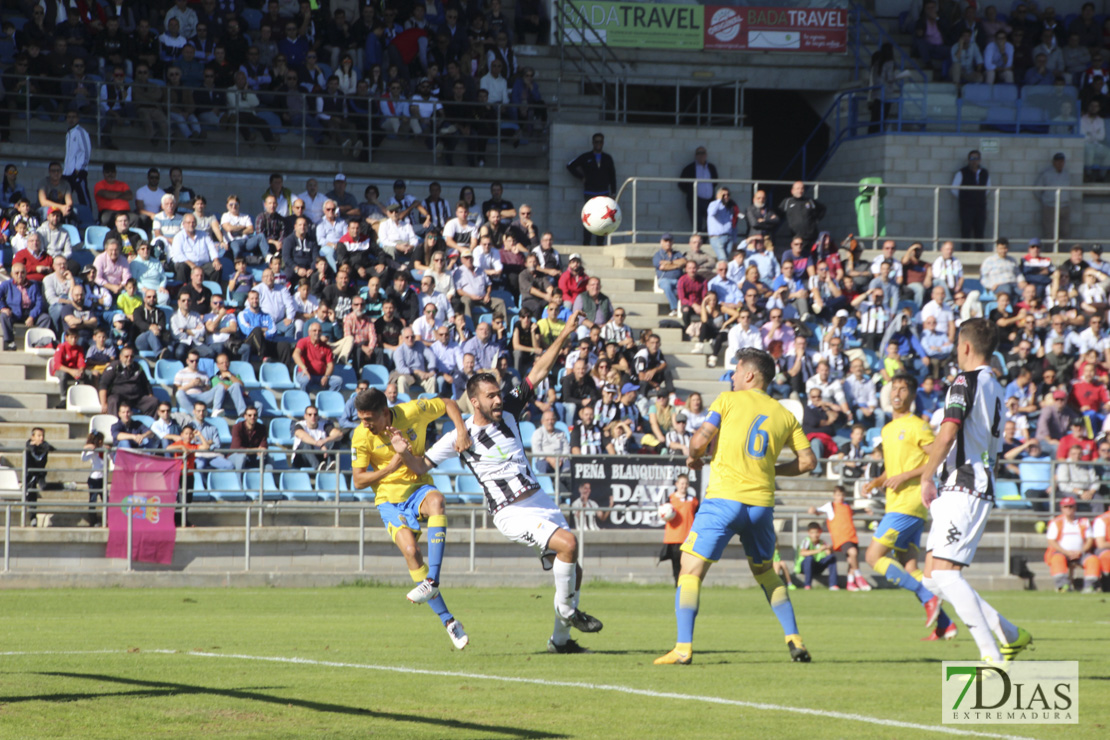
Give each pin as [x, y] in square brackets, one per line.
[932, 159]
[644, 151]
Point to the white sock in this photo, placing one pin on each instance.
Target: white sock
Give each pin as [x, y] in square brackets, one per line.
[565, 575]
[999, 625]
[933, 586]
[564, 600]
[959, 593]
[857, 574]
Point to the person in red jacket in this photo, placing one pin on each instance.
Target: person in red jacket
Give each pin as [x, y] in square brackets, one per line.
[39, 264]
[680, 507]
[1077, 436]
[573, 280]
[1090, 397]
[69, 364]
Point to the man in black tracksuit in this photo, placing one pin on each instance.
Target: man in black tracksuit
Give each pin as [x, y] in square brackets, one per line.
[598, 174]
[801, 214]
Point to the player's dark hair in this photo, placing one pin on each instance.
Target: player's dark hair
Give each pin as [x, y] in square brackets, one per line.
[814, 525]
[477, 380]
[909, 380]
[981, 334]
[758, 361]
[371, 400]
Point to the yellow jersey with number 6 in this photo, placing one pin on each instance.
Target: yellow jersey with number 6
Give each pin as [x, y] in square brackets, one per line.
[752, 430]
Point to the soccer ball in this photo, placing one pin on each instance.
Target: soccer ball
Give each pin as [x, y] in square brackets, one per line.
[601, 215]
[666, 512]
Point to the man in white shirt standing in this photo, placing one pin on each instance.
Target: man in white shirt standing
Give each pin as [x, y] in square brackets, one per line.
[75, 169]
[313, 201]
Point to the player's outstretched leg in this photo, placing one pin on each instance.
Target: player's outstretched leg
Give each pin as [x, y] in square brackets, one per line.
[432, 509]
[568, 578]
[777, 596]
[893, 572]
[955, 589]
[945, 628]
[405, 539]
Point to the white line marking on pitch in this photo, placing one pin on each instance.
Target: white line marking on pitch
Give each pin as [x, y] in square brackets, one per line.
[547, 683]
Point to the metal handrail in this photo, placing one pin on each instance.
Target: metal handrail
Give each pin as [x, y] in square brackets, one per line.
[228, 117]
[936, 237]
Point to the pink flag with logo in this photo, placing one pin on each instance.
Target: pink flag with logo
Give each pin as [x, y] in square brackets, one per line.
[140, 480]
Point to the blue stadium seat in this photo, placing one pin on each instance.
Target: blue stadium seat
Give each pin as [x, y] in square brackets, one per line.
[329, 403]
[245, 371]
[375, 374]
[325, 486]
[213, 286]
[297, 486]
[94, 237]
[1007, 495]
[270, 489]
[74, 235]
[527, 429]
[874, 436]
[225, 485]
[221, 426]
[281, 432]
[347, 374]
[269, 404]
[443, 484]
[293, 403]
[275, 376]
[143, 419]
[450, 465]
[201, 494]
[165, 370]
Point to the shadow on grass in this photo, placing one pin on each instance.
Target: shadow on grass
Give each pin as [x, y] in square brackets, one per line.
[165, 688]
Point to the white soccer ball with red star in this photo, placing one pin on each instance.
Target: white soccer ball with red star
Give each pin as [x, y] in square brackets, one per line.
[601, 215]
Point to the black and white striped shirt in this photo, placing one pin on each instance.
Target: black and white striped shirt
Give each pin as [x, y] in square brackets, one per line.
[974, 402]
[496, 453]
[440, 211]
[589, 439]
[873, 318]
[605, 413]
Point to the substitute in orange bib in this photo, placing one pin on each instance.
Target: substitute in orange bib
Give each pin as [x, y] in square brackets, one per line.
[1100, 531]
[677, 513]
[844, 538]
[1071, 544]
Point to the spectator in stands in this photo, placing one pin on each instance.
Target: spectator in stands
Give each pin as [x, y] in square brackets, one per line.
[69, 365]
[651, 368]
[34, 258]
[820, 422]
[54, 239]
[241, 102]
[165, 427]
[76, 314]
[150, 324]
[260, 333]
[967, 60]
[698, 199]
[193, 385]
[276, 301]
[315, 362]
[1039, 73]
[474, 288]
[1076, 58]
[1054, 56]
[21, 301]
[188, 330]
[412, 365]
[240, 232]
[595, 306]
[233, 385]
[128, 433]
[720, 215]
[548, 444]
[998, 60]
[192, 248]
[598, 174]
[245, 435]
[299, 251]
[1054, 422]
[802, 214]
[1046, 184]
[669, 265]
[113, 197]
[999, 273]
[1096, 152]
[579, 391]
[125, 382]
[312, 434]
[112, 268]
[932, 34]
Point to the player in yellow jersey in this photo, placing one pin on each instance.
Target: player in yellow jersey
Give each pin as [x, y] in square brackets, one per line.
[750, 429]
[907, 440]
[379, 446]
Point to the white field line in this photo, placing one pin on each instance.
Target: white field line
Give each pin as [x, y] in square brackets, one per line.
[547, 683]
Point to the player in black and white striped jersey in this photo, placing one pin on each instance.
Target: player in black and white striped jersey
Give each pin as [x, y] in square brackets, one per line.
[521, 510]
[967, 444]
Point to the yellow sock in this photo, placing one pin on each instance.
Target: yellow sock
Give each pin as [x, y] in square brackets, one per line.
[419, 574]
[794, 639]
[918, 574]
[684, 647]
[437, 520]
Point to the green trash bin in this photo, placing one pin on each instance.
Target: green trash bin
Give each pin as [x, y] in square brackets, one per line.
[870, 225]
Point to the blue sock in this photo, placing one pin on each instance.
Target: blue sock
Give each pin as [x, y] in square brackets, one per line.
[686, 607]
[775, 591]
[440, 608]
[896, 574]
[437, 541]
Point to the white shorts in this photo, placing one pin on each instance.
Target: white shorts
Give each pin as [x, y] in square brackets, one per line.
[958, 523]
[531, 521]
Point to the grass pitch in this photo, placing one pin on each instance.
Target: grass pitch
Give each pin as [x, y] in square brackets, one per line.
[85, 664]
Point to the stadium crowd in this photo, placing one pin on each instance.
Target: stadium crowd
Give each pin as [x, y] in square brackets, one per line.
[345, 72]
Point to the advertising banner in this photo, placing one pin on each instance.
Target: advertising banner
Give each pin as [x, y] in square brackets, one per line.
[625, 483]
[640, 25]
[776, 29]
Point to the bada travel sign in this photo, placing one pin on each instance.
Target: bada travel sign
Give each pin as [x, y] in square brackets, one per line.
[662, 26]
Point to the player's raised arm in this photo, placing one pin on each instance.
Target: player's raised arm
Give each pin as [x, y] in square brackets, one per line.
[543, 364]
[462, 436]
